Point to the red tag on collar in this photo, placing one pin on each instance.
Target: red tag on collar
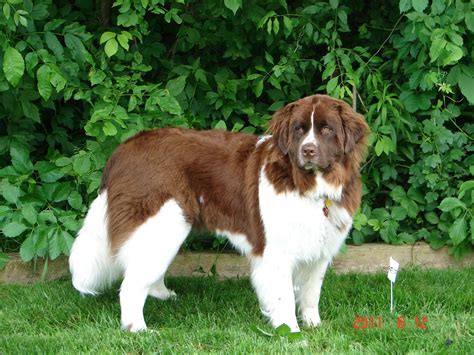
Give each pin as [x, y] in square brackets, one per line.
[327, 204]
[326, 211]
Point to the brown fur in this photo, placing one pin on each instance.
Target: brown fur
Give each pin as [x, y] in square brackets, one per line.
[223, 168]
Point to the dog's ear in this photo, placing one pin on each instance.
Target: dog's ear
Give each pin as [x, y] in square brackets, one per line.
[355, 128]
[279, 127]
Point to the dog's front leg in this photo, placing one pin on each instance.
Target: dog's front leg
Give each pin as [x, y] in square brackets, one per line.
[308, 281]
[272, 280]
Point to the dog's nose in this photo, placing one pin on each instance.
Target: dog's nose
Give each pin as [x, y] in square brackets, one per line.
[309, 150]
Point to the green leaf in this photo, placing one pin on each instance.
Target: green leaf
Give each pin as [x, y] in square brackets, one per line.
[53, 24]
[419, 5]
[169, 104]
[432, 217]
[61, 192]
[399, 213]
[13, 66]
[331, 85]
[220, 125]
[81, 164]
[466, 84]
[13, 229]
[469, 18]
[378, 147]
[11, 193]
[47, 215]
[410, 206]
[465, 186]
[233, 5]
[334, 4]
[30, 110]
[276, 25]
[57, 79]
[457, 232]
[132, 103]
[21, 159]
[48, 172]
[404, 5]
[406, 238]
[389, 231]
[295, 336]
[106, 36]
[6, 11]
[109, 129]
[63, 161]
[43, 75]
[96, 77]
[130, 19]
[29, 213]
[436, 48]
[111, 47]
[123, 40]
[31, 61]
[28, 249]
[454, 54]
[450, 203]
[287, 23]
[176, 86]
[398, 194]
[53, 43]
[54, 247]
[66, 242]
[76, 46]
[200, 75]
[283, 330]
[258, 88]
[75, 200]
[437, 7]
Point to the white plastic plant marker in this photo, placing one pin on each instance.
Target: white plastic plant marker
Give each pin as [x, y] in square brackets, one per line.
[392, 276]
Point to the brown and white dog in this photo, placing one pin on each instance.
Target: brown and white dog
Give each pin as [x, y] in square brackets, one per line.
[285, 200]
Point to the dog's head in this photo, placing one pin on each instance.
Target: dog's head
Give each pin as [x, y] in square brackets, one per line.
[318, 131]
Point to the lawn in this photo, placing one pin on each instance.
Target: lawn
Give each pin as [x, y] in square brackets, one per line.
[223, 316]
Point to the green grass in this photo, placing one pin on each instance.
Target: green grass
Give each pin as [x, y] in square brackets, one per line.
[221, 317]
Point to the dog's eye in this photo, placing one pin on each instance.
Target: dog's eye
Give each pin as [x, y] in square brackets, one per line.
[299, 129]
[326, 130]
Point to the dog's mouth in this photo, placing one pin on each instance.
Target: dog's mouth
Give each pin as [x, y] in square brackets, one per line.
[311, 167]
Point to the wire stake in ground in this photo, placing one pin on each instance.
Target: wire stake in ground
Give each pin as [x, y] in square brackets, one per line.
[392, 276]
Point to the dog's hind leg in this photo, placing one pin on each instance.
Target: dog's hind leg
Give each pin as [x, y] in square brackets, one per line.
[160, 291]
[145, 257]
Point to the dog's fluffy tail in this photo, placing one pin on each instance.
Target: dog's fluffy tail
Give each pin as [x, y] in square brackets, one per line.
[92, 266]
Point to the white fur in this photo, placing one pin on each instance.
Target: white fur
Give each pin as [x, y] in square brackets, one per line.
[300, 243]
[325, 190]
[238, 240]
[310, 136]
[145, 257]
[262, 139]
[92, 266]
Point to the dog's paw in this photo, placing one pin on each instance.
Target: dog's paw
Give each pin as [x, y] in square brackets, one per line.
[134, 327]
[163, 294]
[310, 317]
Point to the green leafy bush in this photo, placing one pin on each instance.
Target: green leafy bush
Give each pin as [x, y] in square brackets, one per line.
[72, 88]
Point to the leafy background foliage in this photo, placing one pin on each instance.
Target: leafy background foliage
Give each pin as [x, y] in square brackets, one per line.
[79, 77]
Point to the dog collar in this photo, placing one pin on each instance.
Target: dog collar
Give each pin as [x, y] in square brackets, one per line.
[327, 204]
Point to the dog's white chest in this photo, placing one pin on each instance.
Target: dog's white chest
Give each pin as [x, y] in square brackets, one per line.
[297, 226]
